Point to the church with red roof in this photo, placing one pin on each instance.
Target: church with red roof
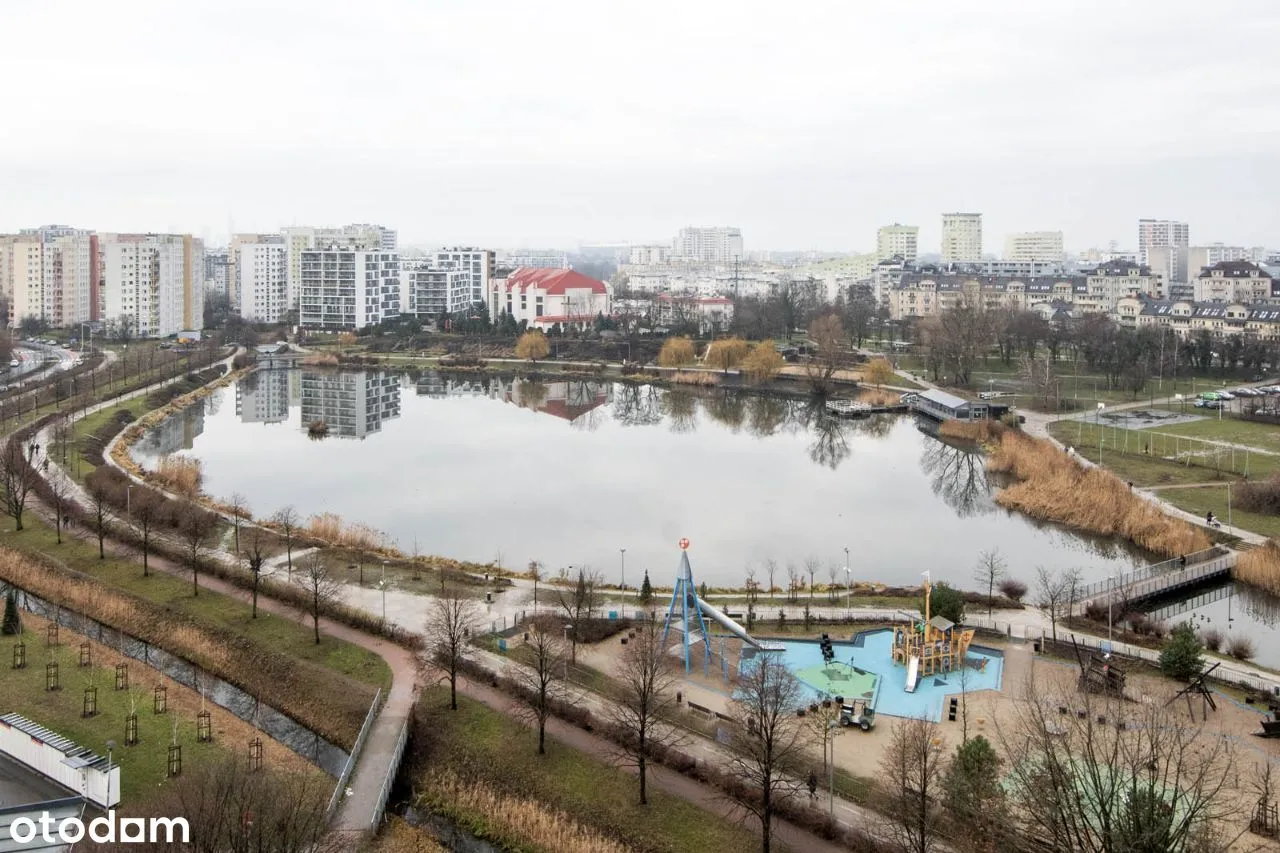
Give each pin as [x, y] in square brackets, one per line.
[547, 297]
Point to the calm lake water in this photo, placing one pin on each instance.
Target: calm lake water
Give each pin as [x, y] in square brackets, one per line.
[569, 473]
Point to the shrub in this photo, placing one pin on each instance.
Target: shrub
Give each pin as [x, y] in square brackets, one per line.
[1260, 495]
[12, 624]
[676, 352]
[1242, 648]
[1138, 623]
[763, 363]
[1012, 589]
[946, 602]
[1181, 658]
[1212, 639]
[180, 474]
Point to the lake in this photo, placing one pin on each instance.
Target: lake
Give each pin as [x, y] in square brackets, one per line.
[487, 468]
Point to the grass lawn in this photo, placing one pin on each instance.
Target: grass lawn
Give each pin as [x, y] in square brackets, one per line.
[1200, 501]
[478, 742]
[1247, 433]
[142, 767]
[1122, 452]
[283, 635]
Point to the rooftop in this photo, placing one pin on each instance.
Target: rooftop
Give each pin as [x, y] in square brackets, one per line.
[553, 281]
[942, 398]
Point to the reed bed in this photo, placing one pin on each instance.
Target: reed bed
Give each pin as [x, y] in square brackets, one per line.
[1260, 567]
[180, 474]
[701, 380]
[320, 359]
[330, 527]
[1054, 486]
[400, 836]
[511, 818]
[321, 699]
[983, 432]
[878, 397]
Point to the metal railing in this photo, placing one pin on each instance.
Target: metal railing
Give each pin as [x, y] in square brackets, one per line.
[393, 767]
[350, 766]
[1101, 587]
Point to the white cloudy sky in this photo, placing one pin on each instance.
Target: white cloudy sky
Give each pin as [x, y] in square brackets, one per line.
[538, 123]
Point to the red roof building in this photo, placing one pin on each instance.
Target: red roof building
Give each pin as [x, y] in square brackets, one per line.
[545, 297]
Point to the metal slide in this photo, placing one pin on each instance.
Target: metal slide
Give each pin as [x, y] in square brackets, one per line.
[913, 674]
[733, 627]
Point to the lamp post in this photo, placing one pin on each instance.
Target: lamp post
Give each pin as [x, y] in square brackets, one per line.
[567, 628]
[382, 584]
[848, 589]
[623, 552]
[111, 748]
[1097, 422]
[1110, 599]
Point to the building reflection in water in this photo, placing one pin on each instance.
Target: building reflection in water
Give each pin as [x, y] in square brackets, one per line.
[350, 404]
[263, 397]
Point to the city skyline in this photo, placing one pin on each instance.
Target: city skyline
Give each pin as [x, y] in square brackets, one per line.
[528, 151]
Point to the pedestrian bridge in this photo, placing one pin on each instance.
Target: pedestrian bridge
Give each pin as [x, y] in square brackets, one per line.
[1160, 578]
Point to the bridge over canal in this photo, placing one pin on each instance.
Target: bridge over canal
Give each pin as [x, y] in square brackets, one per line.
[1160, 579]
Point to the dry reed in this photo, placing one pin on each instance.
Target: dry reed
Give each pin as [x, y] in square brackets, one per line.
[878, 397]
[330, 528]
[181, 475]
[320, 359]
[1054, 486]
[983, 432]
[1260, 567]
[704, 380]
[514, 818]
[400, 836]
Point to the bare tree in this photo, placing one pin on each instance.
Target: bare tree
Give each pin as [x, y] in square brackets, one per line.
[1054, 594]
[579, 602]
[61, 432]
[256, 557]
[148, 513]
[646, 680]
[768, 742]
[753, 586]
[911, 770]
[195, 527]
[771, 569]
[991, 569]
[322, 588]
[542, 674]
[830, 348]
[18, 475]
[101, 492]
[833, 574]
[811, 565]
[535, 574]
[238, 507]
[287, 520]
[453, 619]
[795, 580]
[1117, 778]
[59, 500]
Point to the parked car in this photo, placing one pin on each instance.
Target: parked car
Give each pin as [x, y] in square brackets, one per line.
[1225, 395]
[1208, 404]
[1247, 392]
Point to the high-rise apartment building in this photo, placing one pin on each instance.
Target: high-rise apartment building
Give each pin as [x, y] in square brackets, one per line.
[1153, 233]
[347, 289]
[1199, 257]
[961, 238]
[1163, 245]
[299, 238]
[153, 283]
[217, 273]
[262, 270]
[897, 241]
[1040, 246]
[479, 267]
[426, 291]
[49, 274]
[542, 258]
[234, 284]
[719, 245]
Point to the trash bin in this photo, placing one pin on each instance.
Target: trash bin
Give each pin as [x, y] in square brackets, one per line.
[1036, 646]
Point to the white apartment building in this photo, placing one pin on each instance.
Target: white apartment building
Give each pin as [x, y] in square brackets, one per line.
[648, 255]
[263, 273]
[897, 241]
[299, 238]
[153, 283]
[545, 258]
[1115, 280]
[478, 268]
[1045, 246]
[49, 274]
[235, 286]
[426, 291]
[347, 289]
[1199, 257]
[548, 297]
[1233, 281]
[719, 245]
[1153, 233]
[217, 272]
[961, 238]
[1172, 263]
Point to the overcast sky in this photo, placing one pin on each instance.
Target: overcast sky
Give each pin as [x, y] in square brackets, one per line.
[512, 123]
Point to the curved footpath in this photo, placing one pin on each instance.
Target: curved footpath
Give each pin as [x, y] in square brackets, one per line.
[360, 804]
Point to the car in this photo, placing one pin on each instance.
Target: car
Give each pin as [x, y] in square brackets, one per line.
[1226, 395]
[1247, 392]
[14, 363]
[1207, 395]
[1208, 404]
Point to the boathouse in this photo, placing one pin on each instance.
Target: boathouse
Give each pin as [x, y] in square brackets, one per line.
[949, 407]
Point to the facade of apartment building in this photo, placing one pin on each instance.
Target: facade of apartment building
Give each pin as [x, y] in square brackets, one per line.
[1035, 246]
[153, 283]
[299, 238]
[961, 238]
[217, 272]
[1188, 318]
[426, 291]
[263, 273]
[235, 285]
[544, 258]
[547, 297]
[343, 289]
[51, 274]
[1234, 281]
[718, 245]
[1153, 233]
[1172, 263]
[648, 255]
[712, 314]
[478, 269]
[1108, 283]
[1199, 257]
[898, 241]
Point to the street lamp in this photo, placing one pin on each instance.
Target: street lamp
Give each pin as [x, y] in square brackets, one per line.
[111, 748]
[1110, 599]
[623, 551]
[848, 588]
[1097, 422]
[567, 627]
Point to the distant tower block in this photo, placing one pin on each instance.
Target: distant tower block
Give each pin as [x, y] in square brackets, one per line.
[684, 616]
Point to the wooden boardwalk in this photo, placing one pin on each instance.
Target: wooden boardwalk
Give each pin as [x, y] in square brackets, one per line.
[1160, 578]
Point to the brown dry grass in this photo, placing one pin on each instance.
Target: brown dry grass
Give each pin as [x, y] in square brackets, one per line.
[878, 397]
[1056, 487]
[321, 699]
[181, 475]
[702, 380]
[983, 432]
[400, 836]
[320, 359]
[516, 817]
[331, 528]
[1260, 567]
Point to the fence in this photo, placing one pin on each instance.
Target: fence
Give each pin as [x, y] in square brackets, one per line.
[393, 767]
[1136, 576]
[350, 766]
[1150, 443]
